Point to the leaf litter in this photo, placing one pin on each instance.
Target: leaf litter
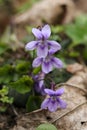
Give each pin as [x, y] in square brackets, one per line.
[74, 117]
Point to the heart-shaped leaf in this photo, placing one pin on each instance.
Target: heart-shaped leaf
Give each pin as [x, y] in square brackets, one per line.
[46, 127]
[22, 85]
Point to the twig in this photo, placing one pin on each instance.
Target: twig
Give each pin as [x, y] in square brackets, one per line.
[66, 113]
[14, 110]
[33, 112]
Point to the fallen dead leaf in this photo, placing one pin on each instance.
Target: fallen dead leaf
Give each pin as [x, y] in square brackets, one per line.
[47, 11]
[74, 117]
[52, 12]
[73, 68]
[18, 128]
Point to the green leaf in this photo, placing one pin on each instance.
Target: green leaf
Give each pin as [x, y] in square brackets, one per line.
[6, 99]
[78, 31]
[36, 70]
[23, 67]
[22, 85]
[57, 29]
[57, 76]
[3, 48]
[74, 54]
[26, 6]
[6, 36]
[85, 53]
[6, 73]
[4, 95]
[33, 103]
[81, 20]
[4, 91]
[46, 127]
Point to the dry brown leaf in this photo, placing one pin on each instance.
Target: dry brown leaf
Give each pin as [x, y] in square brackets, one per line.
[59, 11]
[48, 11]
[45, 11]
[73, 68]
[18, 3]
[81, 5]
[18, 128]
[74, 117]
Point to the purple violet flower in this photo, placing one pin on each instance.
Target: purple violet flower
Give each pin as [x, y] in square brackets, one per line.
[39, 85]
[42, 44]
[53, 102]
[47, 63]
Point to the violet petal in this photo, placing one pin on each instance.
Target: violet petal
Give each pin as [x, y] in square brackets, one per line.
[49, 92]
[37, 62]
[39, 87]
[57, 62]
[42, 87]
[46, 31]
[42, 51]
[53, 105]
[41, 83]
[59, 92]
[47, 67]
[37, 33]
[52, 51]
[61, 103]
[31, 45]
[45, 103]
[54, 45]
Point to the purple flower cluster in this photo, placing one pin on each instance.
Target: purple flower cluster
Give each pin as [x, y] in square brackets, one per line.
[45, 58]
[45, 50]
